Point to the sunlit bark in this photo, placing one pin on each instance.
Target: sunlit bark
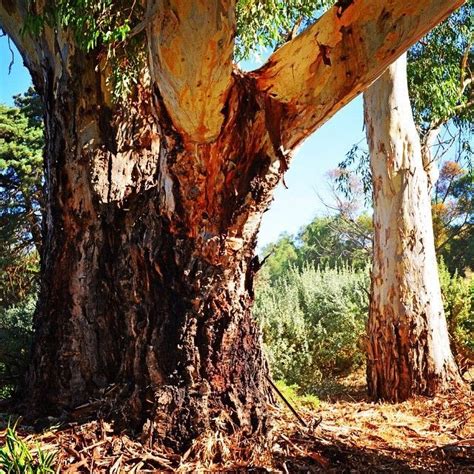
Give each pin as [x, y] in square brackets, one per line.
[408, 350]
[310, 78]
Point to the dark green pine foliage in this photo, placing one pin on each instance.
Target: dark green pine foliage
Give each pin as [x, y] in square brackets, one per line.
[21, 193]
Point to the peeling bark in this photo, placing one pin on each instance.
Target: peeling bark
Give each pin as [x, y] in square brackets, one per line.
[408, 351]
[324, 68]
[148, 268]
[191, 47]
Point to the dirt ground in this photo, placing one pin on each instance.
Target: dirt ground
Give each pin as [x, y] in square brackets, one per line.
[345, 433]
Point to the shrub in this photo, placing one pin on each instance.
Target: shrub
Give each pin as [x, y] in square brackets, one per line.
[458, 299]
[15, 340]
[313, 322]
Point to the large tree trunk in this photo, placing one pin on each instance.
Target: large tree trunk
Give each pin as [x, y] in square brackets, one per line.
[408, 349]
[148, 264]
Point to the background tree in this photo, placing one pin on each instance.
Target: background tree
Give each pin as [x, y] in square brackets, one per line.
[440, 86]
[408, 343]
[406, 301]
[154, 201]
[21, 189]
[409, 351]
[440, 80]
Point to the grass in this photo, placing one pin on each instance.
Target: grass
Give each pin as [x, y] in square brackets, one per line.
[16, 457]
[293, 394]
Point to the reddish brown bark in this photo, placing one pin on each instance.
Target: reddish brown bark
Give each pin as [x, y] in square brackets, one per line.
[149, 263]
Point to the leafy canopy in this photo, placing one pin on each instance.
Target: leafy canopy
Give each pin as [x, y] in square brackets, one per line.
[440, 69]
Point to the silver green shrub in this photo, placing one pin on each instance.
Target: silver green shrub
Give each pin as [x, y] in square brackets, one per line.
[313, 322]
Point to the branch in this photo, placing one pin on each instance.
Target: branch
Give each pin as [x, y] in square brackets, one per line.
[13, 14]
[12, 57]
[150, 14]
[191, 45]
[464, 68]
[435, 127]
[321, 70]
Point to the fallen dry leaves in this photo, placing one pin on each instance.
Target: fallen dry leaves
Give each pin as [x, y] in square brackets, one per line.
[354, 436]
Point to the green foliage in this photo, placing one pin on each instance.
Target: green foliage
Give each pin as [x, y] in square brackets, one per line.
[356, 162]
[313, 316]
[438, 69]
[326, 242]
[15, 338]
[336, 240]
[94, 23]
[458, 299]
[17, 458]
[281, 256]
[294, 395]
[263, 25]
[313, 321]
[105, 27]
[18, 277]
[21, 192]
[21, 169]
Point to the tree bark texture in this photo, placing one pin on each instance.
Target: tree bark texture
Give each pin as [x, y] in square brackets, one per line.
[149, 262]
[153, 207]
[408, 350]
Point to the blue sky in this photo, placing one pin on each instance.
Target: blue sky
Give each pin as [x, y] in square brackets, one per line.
[292, 207]
[18, 80]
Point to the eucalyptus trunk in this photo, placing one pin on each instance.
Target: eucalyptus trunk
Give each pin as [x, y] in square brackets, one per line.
[149, 264]
[408, 349]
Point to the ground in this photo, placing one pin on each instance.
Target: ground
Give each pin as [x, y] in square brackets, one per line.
[344, 433]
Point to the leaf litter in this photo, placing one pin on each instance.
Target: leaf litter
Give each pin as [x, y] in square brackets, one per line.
[345, 435]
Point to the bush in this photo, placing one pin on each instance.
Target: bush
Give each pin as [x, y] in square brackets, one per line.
[313, 322]
[458, 299]
[15, 339]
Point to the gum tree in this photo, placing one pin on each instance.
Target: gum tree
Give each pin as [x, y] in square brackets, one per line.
[153, 202]
[409, 350]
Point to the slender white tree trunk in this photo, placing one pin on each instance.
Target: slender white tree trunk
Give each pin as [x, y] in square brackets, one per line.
[409, 351]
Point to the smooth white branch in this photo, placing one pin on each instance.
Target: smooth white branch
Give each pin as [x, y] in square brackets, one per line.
[310, 78]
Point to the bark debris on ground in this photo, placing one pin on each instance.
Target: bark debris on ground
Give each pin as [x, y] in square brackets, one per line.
[345, 435]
